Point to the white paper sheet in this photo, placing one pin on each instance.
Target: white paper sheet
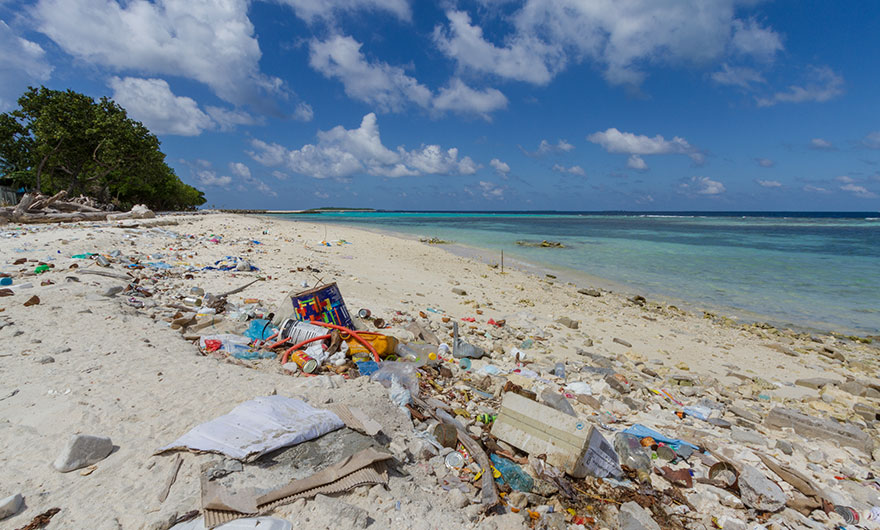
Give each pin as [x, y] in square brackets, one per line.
[259, 426]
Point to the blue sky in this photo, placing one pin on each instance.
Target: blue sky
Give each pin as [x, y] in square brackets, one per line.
[482, 104]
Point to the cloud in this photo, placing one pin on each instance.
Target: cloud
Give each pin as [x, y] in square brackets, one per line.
[751, 39]
[740, 76]
[822, 85]
[22, 63]
[210, 42]
[303, 112]
[240, 170]
[636, 162]
[820, 144]
[815, 189]
[280, 175]
[152, 102]
[209, 178]
[703, 186]
[573, 170]
[620, 37]
[389, 88]
[859, 191]
[845, 179]
[500, 166]
[341, 153]
[491, 191]
[765, 162]
[872, 140]
[311, 10]
[377, 83]
[545, 148]
[769, 183]
[228, 120]
[615, 141]
[459, 97]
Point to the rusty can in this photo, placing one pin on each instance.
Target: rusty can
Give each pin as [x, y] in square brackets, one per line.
[364, 313]
[305, 361]
[379, 323]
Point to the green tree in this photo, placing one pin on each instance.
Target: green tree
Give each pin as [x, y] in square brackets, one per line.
[63, 140]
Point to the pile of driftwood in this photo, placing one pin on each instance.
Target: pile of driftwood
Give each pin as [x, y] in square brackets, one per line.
[37, 208]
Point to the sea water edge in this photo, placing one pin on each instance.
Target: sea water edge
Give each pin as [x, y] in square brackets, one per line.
[469, 244]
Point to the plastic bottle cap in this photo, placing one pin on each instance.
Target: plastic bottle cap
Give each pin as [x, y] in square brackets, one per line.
[432, 356]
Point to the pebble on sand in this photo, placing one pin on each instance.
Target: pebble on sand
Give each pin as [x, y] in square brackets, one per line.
[83, 450]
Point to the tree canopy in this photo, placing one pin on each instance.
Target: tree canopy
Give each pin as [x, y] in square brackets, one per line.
[62, 140]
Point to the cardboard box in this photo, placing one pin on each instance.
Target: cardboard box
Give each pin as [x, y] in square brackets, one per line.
[571, 444]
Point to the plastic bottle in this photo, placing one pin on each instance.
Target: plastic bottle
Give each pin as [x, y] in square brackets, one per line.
[512, 474]
[559, 370]
[102, 261]
[632, 454]
[558, 402]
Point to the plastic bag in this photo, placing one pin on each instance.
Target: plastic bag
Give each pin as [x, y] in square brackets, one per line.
[405, 373]
[399, 394]
[259, 329]
[512, 474]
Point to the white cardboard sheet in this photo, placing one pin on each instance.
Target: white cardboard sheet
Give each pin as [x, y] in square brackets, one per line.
[257, 427]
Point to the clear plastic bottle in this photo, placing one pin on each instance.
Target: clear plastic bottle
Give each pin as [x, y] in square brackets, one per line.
[558, 402]
[632, 454]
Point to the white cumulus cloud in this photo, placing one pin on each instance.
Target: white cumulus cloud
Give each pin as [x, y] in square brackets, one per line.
[859, 191]
[377, 83]
[212, 42]
[703, 186]
[636, 162]
[152, 102]
[209, 178]
[389, 88]
[615, 141]
[341, 153]
[815, 189]
[821, 144]
[310, 10]
[458, 97]
[622, 37]
[765, 162]
[769, 183]
[822, 85]
[573, 170]
[499, 166]
[22, 63]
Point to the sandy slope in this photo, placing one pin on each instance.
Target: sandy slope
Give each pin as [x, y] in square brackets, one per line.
[119, 373]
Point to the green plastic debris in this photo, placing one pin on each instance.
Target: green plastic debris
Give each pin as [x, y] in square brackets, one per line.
[41, 269]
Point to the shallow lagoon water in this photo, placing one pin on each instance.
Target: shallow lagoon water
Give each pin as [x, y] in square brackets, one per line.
[817, 270]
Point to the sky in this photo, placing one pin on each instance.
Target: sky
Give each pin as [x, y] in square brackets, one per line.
[483, 104]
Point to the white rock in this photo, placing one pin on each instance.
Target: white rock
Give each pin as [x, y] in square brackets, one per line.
[10, 505]
[83, 450]
[634, 517]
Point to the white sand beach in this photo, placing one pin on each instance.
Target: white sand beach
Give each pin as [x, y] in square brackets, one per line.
[80, 362]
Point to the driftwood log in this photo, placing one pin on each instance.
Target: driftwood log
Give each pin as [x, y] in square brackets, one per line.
[34, 208]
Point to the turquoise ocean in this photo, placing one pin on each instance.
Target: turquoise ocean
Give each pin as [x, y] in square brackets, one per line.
[811, 270]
